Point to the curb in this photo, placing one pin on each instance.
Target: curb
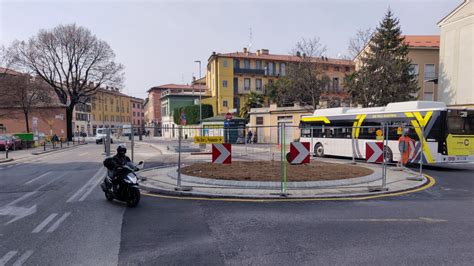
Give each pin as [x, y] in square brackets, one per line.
[57, 150]
[429, 181]
[6, 160]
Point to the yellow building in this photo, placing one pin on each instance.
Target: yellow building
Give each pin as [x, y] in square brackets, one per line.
[231, 76]
[110, 108]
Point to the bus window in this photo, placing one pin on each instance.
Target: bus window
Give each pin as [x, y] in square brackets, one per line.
[460, 122]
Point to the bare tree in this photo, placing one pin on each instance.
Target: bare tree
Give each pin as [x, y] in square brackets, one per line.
[358, 42]
[73, 61]
[306, 79]
[22, 92]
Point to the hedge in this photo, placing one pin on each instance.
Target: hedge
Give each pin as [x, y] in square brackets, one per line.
[192, 113]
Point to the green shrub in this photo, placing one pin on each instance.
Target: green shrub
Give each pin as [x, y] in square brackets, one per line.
[192, 113]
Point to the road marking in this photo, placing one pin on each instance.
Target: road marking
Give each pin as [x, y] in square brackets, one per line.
[20, 261]
[89, 185]
[37, 178]
[390, 220]
[58, 222]
[83, 154]
[7, 257]
[18, 212]
[44, 223]
[90, 190]
[431, 182]
[26, 195]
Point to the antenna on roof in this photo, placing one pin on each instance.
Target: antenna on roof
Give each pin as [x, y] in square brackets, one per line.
[250, 38]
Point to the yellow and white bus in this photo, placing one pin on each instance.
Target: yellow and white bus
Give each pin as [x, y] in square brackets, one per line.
[448, 131]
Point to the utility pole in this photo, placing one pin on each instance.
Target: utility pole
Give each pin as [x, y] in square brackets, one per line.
[200, 91]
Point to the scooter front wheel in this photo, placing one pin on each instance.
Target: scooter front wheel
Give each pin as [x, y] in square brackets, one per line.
[133, 197]
[109, 196]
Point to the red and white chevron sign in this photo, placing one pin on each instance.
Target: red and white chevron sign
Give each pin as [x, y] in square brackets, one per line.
[222, 153]
[299, 153]
[374, 152]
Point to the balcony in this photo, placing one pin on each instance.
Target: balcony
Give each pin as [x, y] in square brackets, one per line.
[249, 71]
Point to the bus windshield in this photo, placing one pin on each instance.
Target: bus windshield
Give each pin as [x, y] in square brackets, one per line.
[460, 122]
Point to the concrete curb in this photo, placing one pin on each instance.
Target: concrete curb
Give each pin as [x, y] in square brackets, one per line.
[355, 196]
[6, 160]
[58, 149]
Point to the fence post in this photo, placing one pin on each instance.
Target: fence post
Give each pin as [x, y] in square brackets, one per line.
[132, 138]
[419, 177]
[107, 145]
[385, 144]
[353, 145]
[178, 179]
[283, 191]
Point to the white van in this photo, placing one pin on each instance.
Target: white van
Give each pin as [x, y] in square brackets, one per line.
[101, 134]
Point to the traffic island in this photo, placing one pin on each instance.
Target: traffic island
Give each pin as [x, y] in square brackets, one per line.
[333, 181]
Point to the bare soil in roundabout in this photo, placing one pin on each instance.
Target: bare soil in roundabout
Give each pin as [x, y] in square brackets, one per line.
[270, 171]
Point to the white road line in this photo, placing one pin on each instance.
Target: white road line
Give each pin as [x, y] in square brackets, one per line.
[89, 183]
[26, 195]
[7, 257]
[37, 178]
[90, 190]
[58, 222]
[44, 223]
[20, 261]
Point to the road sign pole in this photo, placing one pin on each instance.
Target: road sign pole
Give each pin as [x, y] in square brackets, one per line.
[385, 145]
[178, 185]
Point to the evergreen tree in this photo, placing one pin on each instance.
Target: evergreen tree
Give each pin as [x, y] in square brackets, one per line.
[385, 74]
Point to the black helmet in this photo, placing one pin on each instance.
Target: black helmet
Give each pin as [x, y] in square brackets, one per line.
[122, 149]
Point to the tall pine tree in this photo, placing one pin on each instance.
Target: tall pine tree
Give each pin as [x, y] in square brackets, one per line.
[385, 74]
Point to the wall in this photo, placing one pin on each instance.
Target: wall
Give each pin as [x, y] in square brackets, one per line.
[456, 78]
[51, 120]
[421, 57]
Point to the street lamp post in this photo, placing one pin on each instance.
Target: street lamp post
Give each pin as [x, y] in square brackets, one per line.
[200, 105]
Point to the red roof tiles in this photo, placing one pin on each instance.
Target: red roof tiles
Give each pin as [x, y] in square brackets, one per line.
[431, 41]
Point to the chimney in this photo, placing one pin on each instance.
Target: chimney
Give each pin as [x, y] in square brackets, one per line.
[245, 50]
[259, 52]
[265, 51]
[213, 53]
[298, 54]
[304, 54]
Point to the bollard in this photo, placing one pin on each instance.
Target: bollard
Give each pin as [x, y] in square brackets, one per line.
[44, 145]
[6, 151]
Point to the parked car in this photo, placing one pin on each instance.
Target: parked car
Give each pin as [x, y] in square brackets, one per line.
[5, 142]
[16, 142]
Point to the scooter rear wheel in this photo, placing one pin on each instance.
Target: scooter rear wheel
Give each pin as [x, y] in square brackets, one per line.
[133, 197]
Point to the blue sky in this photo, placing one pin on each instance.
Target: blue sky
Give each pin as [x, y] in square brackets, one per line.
[158, 41]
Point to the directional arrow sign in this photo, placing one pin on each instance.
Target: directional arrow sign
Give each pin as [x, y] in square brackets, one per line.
[222, 153]
[374, 152]
[299, 153]
[17, 212]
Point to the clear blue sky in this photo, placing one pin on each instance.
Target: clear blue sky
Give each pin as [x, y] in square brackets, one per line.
[158, 41]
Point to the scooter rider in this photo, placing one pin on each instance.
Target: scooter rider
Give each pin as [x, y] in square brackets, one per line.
[117, 162]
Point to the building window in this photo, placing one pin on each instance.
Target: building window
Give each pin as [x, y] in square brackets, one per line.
[414, 70]
[246, 84]
[224, 83]
[224, 103]
[336, 68]
[270, 82]
[428, 96]
[335, 84]
[258, 64]
[259, 121]
[133, 105]
[430, 71]
[347, 69]
[283, 69]
[246, 64]
[133, 113]
[325, 67]
[270, 69]
[236, 63]
[224, 63]
[258, 84]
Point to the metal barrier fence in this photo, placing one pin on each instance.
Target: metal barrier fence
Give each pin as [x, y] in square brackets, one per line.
[271, 145]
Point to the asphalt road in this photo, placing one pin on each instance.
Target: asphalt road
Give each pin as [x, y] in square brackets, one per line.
[63, 218]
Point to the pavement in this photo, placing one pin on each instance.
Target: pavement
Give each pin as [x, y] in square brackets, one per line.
[52, 212]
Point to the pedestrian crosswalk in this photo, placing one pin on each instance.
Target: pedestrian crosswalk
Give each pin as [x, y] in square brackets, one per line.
[21, 258]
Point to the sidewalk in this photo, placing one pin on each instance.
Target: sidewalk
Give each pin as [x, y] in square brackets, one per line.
[164, 180]
[25, 154]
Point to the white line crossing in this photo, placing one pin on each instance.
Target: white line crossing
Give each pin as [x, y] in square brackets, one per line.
[58, 222]
[7, 257]
[37, 178]
[89, 185]
[26, 195]
[23, 258]
[44, 223]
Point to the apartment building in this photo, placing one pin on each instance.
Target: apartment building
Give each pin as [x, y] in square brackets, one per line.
[81, 119]
[110, 109]
[231, 76]
[138, 112]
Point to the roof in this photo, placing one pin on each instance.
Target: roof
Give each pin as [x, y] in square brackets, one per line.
[286, 58]
[431, 41]
[9, 71]
[118, 93]
[455, 10]
[176, 87]
[135, 99]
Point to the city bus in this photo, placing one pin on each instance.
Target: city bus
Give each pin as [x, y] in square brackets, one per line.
[448, 131]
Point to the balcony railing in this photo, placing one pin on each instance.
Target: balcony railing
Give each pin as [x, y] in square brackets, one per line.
[249, 71]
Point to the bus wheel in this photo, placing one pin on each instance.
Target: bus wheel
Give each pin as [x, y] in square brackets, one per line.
[319, 150]
[388, 155]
